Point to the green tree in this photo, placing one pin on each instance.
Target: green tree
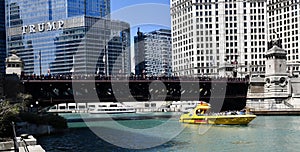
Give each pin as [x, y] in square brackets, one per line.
[8, 113]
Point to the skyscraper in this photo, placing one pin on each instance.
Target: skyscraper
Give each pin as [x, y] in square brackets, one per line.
[33, 11]
[218, 37]
[284, 22]
[153, 53]
[60, 36]
[2, 37]
[139, 53]
[94, 8]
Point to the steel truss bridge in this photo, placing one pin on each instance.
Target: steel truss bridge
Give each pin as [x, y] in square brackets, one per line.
[229, 92]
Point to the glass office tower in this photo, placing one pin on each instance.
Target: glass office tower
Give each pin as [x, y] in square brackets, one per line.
[2, 37]
[60, 36]
[94, 8]
[32, 11]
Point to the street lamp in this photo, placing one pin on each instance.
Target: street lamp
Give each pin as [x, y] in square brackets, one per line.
[37, 106]
[31, 106]
[40, 62]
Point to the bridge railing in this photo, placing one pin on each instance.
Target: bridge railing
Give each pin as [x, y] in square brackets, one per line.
[121, 77]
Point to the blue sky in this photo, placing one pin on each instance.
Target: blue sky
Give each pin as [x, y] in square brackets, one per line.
[117, 4]
[163, 17]
[149, 15]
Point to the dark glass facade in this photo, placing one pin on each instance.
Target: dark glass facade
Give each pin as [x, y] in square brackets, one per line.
[139, 52]
[94, 8]
[26, 12]
[2, 37]
[33, 11]
[60, 40]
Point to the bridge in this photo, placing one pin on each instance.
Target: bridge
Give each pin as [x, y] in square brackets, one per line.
[49, 91]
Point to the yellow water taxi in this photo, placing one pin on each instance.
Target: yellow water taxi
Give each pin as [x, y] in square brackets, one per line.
[201, 115]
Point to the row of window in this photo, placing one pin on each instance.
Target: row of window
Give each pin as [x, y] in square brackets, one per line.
[291, 45]
[294, 57]
[279, 1]
[288, 33]
[286, 21]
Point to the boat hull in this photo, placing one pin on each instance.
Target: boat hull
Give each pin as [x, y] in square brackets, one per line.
[112, 112]
[218, 120]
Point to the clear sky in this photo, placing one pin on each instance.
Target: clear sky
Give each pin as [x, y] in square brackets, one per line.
[117, 4]
[149, 15]
[164, 13]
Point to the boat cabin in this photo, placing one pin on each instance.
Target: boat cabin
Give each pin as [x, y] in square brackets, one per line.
[202, 109]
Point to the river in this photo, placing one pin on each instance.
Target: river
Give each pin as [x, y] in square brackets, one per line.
[265, 133]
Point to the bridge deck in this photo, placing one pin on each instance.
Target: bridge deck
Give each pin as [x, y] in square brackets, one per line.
[231, 91]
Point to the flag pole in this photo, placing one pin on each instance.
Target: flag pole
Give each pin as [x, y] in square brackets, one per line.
[40, 62]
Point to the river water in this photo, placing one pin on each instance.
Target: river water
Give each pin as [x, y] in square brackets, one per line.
[265, 133]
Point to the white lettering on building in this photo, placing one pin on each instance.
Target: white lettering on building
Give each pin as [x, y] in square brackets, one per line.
[41, 27]
[31, 28]
[60, 24]
[24, 29]
[51, 26]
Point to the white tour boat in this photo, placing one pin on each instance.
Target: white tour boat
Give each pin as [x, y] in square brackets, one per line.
[92, 108]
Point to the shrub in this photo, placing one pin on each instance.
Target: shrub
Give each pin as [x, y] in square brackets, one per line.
[11, 112]
[55, 121]
[8, 114]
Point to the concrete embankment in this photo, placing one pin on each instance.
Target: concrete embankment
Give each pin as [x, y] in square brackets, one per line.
[37, 129]
[24, 143]
[286, 112]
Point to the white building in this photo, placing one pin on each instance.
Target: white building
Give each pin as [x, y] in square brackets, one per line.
[14, 64]
[218, 37]
[153, 53]
[284, 21]
[277, 92]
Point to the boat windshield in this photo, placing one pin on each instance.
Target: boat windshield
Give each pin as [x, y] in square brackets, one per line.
[201, 111]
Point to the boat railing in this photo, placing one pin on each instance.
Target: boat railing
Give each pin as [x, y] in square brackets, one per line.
[225, 113]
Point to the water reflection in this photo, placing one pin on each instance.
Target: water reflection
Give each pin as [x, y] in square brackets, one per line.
[263, 134]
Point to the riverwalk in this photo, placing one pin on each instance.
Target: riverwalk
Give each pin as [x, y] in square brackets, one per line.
[276, 112]
[27, 143]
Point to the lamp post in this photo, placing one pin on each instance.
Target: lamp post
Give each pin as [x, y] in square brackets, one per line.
[235, 69]
[106, 70]
[106, 60]
[40, 62]
[37, 106]
[31, 106]
[16, 144]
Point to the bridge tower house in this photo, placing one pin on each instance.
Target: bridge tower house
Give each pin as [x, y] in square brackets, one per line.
[277, 83]
[14, 64]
